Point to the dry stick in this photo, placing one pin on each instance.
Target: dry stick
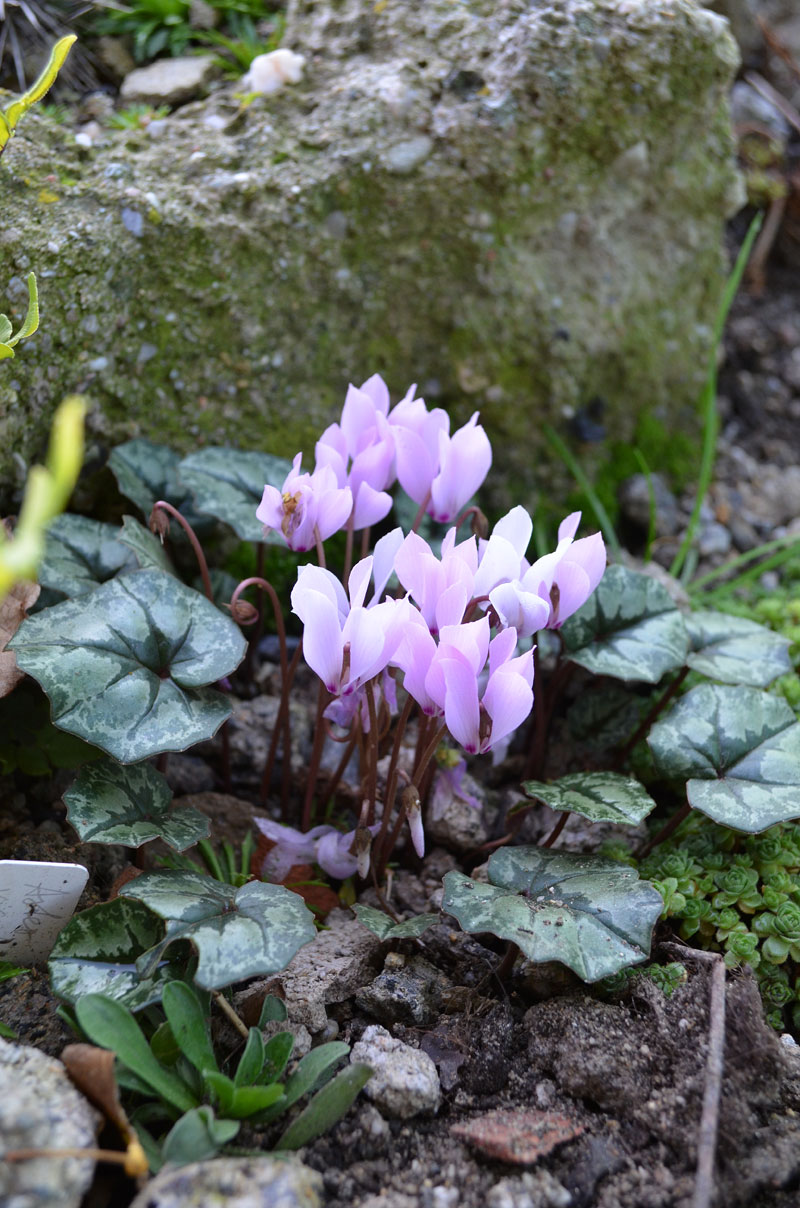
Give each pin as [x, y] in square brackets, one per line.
[117, 1156]
[774, 97]
[777, 47]
[195, 544]
[644, 726]
[709, 1118]
[316, 754]
[226, 1009]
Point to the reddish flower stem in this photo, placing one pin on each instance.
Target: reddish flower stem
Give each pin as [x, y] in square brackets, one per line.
[161, 504]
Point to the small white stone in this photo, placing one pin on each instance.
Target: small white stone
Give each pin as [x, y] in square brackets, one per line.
[404, 1082]
[269, 73]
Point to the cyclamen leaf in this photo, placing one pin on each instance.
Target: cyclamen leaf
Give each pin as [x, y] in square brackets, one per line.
[126, 666]
[385, 928]
[237, 933]
[591, 914]
[739, 751]
[600, 796]
[112, 803]
[629, 628]
[229, 484]
[97, 952]
[146, 547]
[80, 554]
[736, 650]
[146, 472]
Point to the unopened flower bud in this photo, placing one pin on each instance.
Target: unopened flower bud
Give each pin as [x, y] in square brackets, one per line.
[159, 523]
[244, 612]
[413, 808]
[480, 525]
[361, 848]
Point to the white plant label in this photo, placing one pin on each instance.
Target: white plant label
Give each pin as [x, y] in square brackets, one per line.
[36, 900]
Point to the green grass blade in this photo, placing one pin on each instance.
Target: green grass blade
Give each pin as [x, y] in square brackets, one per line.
[593, 499]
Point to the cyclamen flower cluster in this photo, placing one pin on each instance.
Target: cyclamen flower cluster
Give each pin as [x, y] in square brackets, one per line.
[454, 629]
[361, 457]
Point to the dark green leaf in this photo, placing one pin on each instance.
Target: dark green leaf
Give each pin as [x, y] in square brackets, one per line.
[109, 803]
[327, 1106]
[736, 650]
[189, 1025]
[222, 1088]
[629, 628]
[126, 667]
[251, 1061]
[385, 928]
[97, 952]
[277, 1052]
[310, 1072]
[237, 933]
[273, 1010]
[600, 796]
[593, 915]
[196, 1137]
[252, 1100]
[164, 1046]
[739, 751]
[146, 547]
[146, 472]
[80, 554]
[112, 1026]
[229, 484]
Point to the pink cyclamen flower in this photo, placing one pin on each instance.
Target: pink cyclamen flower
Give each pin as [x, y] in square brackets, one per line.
[556, 585]
[416, 439]
[453, 681]
[464, 461]
[322, 845]
[367, 468]
[306, 506]
[441, 587]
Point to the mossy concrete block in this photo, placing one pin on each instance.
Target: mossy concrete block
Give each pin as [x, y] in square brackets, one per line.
[518, 206]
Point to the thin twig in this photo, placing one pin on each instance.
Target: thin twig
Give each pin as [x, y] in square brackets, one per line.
[226, 1009]
[774, 97]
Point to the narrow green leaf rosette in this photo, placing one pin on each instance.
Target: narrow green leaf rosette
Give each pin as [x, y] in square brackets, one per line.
[327, 1106]
[739, 751]
[126, 667]
[735, 650]
[629, 628]
[591, 914]
[111, 803]
[96, 953]
[599, 796]
[229, 484]
[237, 933]
[80, 554]
[385, 928]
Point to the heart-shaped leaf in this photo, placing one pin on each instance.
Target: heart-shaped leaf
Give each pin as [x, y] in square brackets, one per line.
[96, 953]
[385, 928]
[593, 915]
[739, 751]
[229, 484]
[146, 472]
[80, 554]
[629, 628]
[146, 547]
[237, 933]
[126, 666]
[600, 796]
[736, 650]
[111, 803]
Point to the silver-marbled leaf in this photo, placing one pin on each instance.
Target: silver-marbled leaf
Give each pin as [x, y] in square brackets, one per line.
[146, 547]
[591, 914]
[127, 667]
[113, 803]
[237, 933]
[600, 796]
[80, 554]
[229, 484]
[736, 650]
[382, 925]
[738, 749]
[629, 628]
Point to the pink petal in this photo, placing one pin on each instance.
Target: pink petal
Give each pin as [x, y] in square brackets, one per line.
[461, 709]
[371, 507]
[515, 527]
[323, 646]
[569, 527]
[384, 555]
[359, 581]
[377, 392]
[508, 700]
[416, 463]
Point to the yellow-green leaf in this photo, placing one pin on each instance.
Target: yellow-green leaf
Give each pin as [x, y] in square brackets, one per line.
[38, 89]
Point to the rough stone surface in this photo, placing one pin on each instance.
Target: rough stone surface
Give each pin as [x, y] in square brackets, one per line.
[328, 970]
[41, 1109]
[406, 991]
[169, 81]
[404, 1082]
[517, 206]
[234, 1182]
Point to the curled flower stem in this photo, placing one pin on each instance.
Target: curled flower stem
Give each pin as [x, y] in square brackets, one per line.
[391, 785]
[282, 720]
[162, 505]
[372, 767]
